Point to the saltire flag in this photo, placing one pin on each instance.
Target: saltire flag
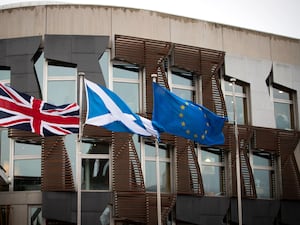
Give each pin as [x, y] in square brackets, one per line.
[24, 112]
[108, 110]
[186, 119]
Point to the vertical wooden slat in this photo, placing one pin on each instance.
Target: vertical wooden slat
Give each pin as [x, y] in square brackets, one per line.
[56, 166]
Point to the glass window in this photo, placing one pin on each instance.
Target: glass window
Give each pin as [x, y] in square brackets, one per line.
[126, 84]
[183, 85]
[241, 101]
[283, 108]
[264, 173]
[35, 215]
[212, 170]
[5, 75]
[61, 87]
[27, 167]
[95, 166]
[104, 64]
[164, 166]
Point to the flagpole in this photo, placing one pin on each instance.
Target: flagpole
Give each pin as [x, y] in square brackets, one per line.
[237, 156]
[78, 158]
[158, 195]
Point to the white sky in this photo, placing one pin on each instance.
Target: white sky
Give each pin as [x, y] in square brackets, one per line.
[280, 17]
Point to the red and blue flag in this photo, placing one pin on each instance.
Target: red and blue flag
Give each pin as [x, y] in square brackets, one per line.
[24, 112]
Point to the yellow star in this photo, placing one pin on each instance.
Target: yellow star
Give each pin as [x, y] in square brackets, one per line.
[183, 123]
[195, 135]
[182, 107]
[181, 115]
[203, 136]
[187, 131]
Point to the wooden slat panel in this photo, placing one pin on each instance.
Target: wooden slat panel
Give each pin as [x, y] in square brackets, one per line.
[128, 181]
[189, 180]
[289, 169]
[56, 166]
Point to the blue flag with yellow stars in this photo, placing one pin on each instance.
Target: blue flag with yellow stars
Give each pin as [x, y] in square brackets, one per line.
[184, 118]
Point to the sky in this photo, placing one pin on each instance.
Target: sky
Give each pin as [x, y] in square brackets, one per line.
[281, 17]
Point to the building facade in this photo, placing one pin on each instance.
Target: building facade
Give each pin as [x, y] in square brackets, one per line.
[44, 47]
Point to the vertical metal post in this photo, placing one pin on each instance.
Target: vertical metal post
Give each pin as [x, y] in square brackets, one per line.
[237, 156]
[158, 195]
[78, 148]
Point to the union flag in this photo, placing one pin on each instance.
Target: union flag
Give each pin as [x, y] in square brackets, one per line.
[24, 112]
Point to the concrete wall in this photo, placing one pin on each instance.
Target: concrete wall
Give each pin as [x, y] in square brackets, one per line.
[19, 202]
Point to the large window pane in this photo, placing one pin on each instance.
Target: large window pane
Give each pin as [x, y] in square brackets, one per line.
[263, 181]
[151, 184]
[212, 171]
[104, 64]
[95, 173]
[128, 92]
[185, 94]
[27, 149]
[240, 109]
[54, 71]
[95, 166]
[27, 174]
[212, 182]
[61, 92]
[126, 71]
[263, 172]
[282, 115]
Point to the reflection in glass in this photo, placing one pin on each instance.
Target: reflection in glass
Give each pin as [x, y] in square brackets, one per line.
[104, 64]
[282, 115]
[95, 174]
[240, 109]
[263, 181]
[61, 92]
[185, 79]
[128, 92]
[126, 71]
[213, 171]
[27, 149]
[35, 215]
[263, 172]
[211, 176]
[95, 170]
[5, 76]
[27, 174]
[165, 185]
[185, 94]
[57, 71]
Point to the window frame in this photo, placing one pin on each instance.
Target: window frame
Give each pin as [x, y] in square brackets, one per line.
[96, 156]
[271, 169]
[221, 164]
[245, 96]
[291, 103]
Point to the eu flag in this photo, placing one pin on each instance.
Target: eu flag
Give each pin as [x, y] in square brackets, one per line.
[184, 118]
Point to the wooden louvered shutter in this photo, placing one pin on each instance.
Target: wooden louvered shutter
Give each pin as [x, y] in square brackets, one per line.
[128, 182]
[289, 169]
[56, 166]
[247, 179]
[189, 180]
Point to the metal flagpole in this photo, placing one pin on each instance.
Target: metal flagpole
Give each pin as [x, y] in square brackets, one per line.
[237, 156]
[78, 147]
[158, 197]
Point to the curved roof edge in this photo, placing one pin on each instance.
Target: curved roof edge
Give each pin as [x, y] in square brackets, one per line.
[18, 4]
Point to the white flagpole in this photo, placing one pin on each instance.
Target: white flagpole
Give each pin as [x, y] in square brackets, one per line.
[237, 156]
[158, 195]
[78, 155]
